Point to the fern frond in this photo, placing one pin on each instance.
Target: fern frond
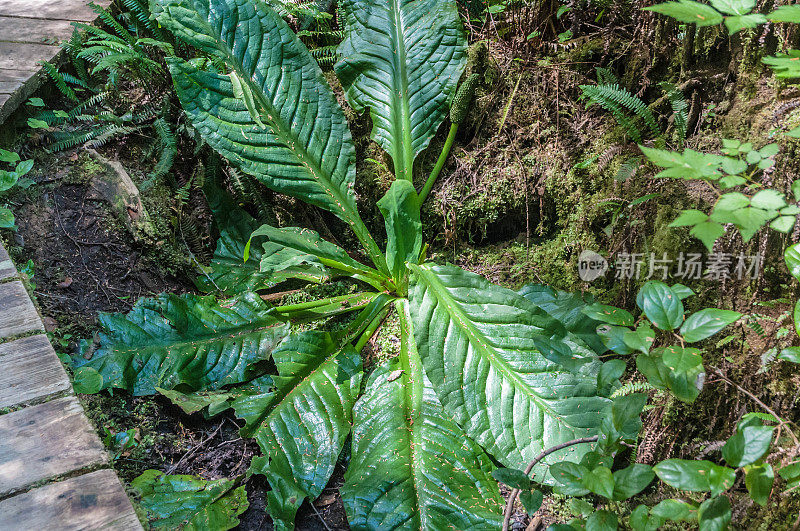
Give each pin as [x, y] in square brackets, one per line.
[109, 20]
[169, 148]
[680, 109]
[606, 77]
[325, 55]
[618, 101]
[632, 387]
[59, 80]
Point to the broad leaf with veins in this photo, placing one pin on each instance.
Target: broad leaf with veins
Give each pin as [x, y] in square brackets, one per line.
[478, 344]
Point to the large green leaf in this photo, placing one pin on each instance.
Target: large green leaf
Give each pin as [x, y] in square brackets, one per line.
[480, 345]
[400, 209]
[302, 424]
[184, 340]
[190, 503]
[402, 59]
[273, 114]
[411, 466]
[301, 241]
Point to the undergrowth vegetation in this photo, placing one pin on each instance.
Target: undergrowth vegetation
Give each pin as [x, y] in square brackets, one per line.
[451, 280]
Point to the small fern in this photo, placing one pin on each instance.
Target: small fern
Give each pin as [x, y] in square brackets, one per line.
[680, 109]
[632, 387]
[620, 103]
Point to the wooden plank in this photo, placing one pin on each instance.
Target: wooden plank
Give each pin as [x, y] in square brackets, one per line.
[49, 9]
[7, 268]
[18, 75]
[22, 56]
[37, 31]
[17, 313]
[30, 370]
[40, 442]
[91, 501]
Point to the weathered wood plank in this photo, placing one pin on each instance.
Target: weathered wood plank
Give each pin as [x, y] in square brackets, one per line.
[50, 9]
[22, 56]
[91, 501]
[17, 313]
[40, 442]
[38, 31]
[18, 75]
[30, 370]
[7, 268]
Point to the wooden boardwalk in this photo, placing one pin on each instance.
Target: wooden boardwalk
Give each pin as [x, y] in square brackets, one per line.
[54, 471]
[31, 31]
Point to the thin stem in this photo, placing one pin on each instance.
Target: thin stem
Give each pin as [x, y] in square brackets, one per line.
[317, 303]
[369, 331]
[515, 492]
[448, 144]
[781, 422]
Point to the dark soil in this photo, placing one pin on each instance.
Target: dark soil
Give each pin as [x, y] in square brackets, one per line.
[85, 262]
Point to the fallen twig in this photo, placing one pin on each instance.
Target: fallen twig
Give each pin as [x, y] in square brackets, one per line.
[515, 492]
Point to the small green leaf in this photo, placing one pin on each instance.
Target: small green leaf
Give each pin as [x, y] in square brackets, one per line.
[708, 232]
[8, 156]
[600, 481]
[740, 22]
[516, 479]
[613, 337]
[693, 476]
[641, 339]
[759, 480]
[689, 12]
[768, 199]
[609, 372]
[190, 503]
[705, 323]
[681, 359]
[714, 514]
[783, 224]
[37, 124]
[601, 521]
[734, 7]
[790, 13]
[689, 218]
[400, 209]
[747, 445]
[632, 480]
[35, 102]
[570, 477]
[661, 305]
[532, 501]
[609, 314]
[682, 291]
[675, 510]
[790, 354]
[87, 381]
[6, 218]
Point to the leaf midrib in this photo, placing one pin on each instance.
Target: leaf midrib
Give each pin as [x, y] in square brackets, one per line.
[476, 338]
[412, 386]
[233, 334]
[400, 83]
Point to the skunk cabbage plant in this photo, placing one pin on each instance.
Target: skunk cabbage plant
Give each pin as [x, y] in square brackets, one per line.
[484, 374]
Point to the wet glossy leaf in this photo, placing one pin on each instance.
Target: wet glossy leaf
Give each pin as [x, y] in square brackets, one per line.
[184, 340]
[190, 503]
[302, 423]
[705, 323]
[412, 467]
[402, 60]
[489, 373]
[661, 305]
